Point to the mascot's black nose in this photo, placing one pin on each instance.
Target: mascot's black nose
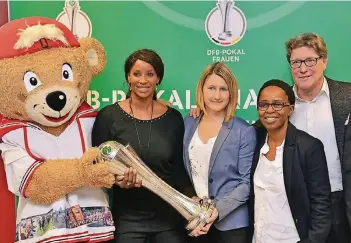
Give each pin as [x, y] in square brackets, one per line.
[56, 100]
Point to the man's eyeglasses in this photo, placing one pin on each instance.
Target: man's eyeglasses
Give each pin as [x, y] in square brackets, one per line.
[277, 106]
[309, 62]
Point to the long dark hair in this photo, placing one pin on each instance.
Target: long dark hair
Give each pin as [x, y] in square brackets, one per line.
[146, 55]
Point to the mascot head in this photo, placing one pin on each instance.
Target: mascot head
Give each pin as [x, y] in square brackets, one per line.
[45, 72]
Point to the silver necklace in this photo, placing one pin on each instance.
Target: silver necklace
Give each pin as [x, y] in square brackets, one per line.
[136, 128]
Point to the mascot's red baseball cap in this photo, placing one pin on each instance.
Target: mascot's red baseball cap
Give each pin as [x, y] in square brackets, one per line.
[32, 34]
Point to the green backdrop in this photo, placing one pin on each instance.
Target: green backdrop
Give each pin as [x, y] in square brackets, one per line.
[176, 30]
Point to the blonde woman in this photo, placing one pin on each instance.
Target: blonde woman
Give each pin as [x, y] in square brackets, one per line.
[218, 150]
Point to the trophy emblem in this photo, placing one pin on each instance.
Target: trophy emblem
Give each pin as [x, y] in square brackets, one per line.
[120, 157]
[226, 24]
[75, 19]
[71, 9]
[225, 6]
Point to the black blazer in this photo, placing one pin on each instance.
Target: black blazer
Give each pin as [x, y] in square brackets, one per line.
[306, 183]
[340, 100]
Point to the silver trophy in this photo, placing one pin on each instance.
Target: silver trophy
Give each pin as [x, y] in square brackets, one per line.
[72, 9]
[120, 157]
[225, 6]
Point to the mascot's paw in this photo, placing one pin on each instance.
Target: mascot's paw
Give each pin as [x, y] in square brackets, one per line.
[93, 172]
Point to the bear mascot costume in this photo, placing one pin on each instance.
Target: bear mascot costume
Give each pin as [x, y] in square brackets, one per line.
[45, 131]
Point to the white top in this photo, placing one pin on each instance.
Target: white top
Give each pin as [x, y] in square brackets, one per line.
[315, 117]
[89, 217]
[199, 155]
[273, 220]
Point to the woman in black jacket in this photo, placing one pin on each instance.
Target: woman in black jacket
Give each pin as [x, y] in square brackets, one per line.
[290, 188]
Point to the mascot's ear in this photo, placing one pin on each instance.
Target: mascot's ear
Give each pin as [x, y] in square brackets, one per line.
[95, 53]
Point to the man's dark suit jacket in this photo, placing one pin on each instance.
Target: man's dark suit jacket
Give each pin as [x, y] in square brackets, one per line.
[306, 181]
[340, 101]
[341, 108]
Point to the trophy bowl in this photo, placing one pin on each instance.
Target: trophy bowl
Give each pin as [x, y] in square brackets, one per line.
[120, 158]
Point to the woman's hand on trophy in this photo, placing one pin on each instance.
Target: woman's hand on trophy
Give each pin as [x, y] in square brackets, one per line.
[129, 179]
[195, 198]
[203, 230]
[212, 219]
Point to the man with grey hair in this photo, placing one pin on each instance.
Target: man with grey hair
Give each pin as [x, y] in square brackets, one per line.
[322, 107]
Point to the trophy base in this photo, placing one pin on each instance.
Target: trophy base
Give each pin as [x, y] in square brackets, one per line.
[225, 36]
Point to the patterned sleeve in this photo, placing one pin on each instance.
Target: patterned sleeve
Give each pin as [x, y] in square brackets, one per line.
[19, 167]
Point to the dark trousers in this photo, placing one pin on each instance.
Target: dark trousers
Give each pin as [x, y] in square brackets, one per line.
[340, 230]
[165, 226]
[169, 236]
[216, 236]
[135, 229]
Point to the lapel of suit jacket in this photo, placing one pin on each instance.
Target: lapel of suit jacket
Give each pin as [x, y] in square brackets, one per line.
[288, 156]
[187, 138]
[338, 104]
[222, 136]
[261, 139]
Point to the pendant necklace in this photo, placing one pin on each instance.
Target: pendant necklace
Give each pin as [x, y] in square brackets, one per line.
[136, 128]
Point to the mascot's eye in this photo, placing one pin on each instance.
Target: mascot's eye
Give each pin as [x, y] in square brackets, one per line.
[31, 81]
[67, 73]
